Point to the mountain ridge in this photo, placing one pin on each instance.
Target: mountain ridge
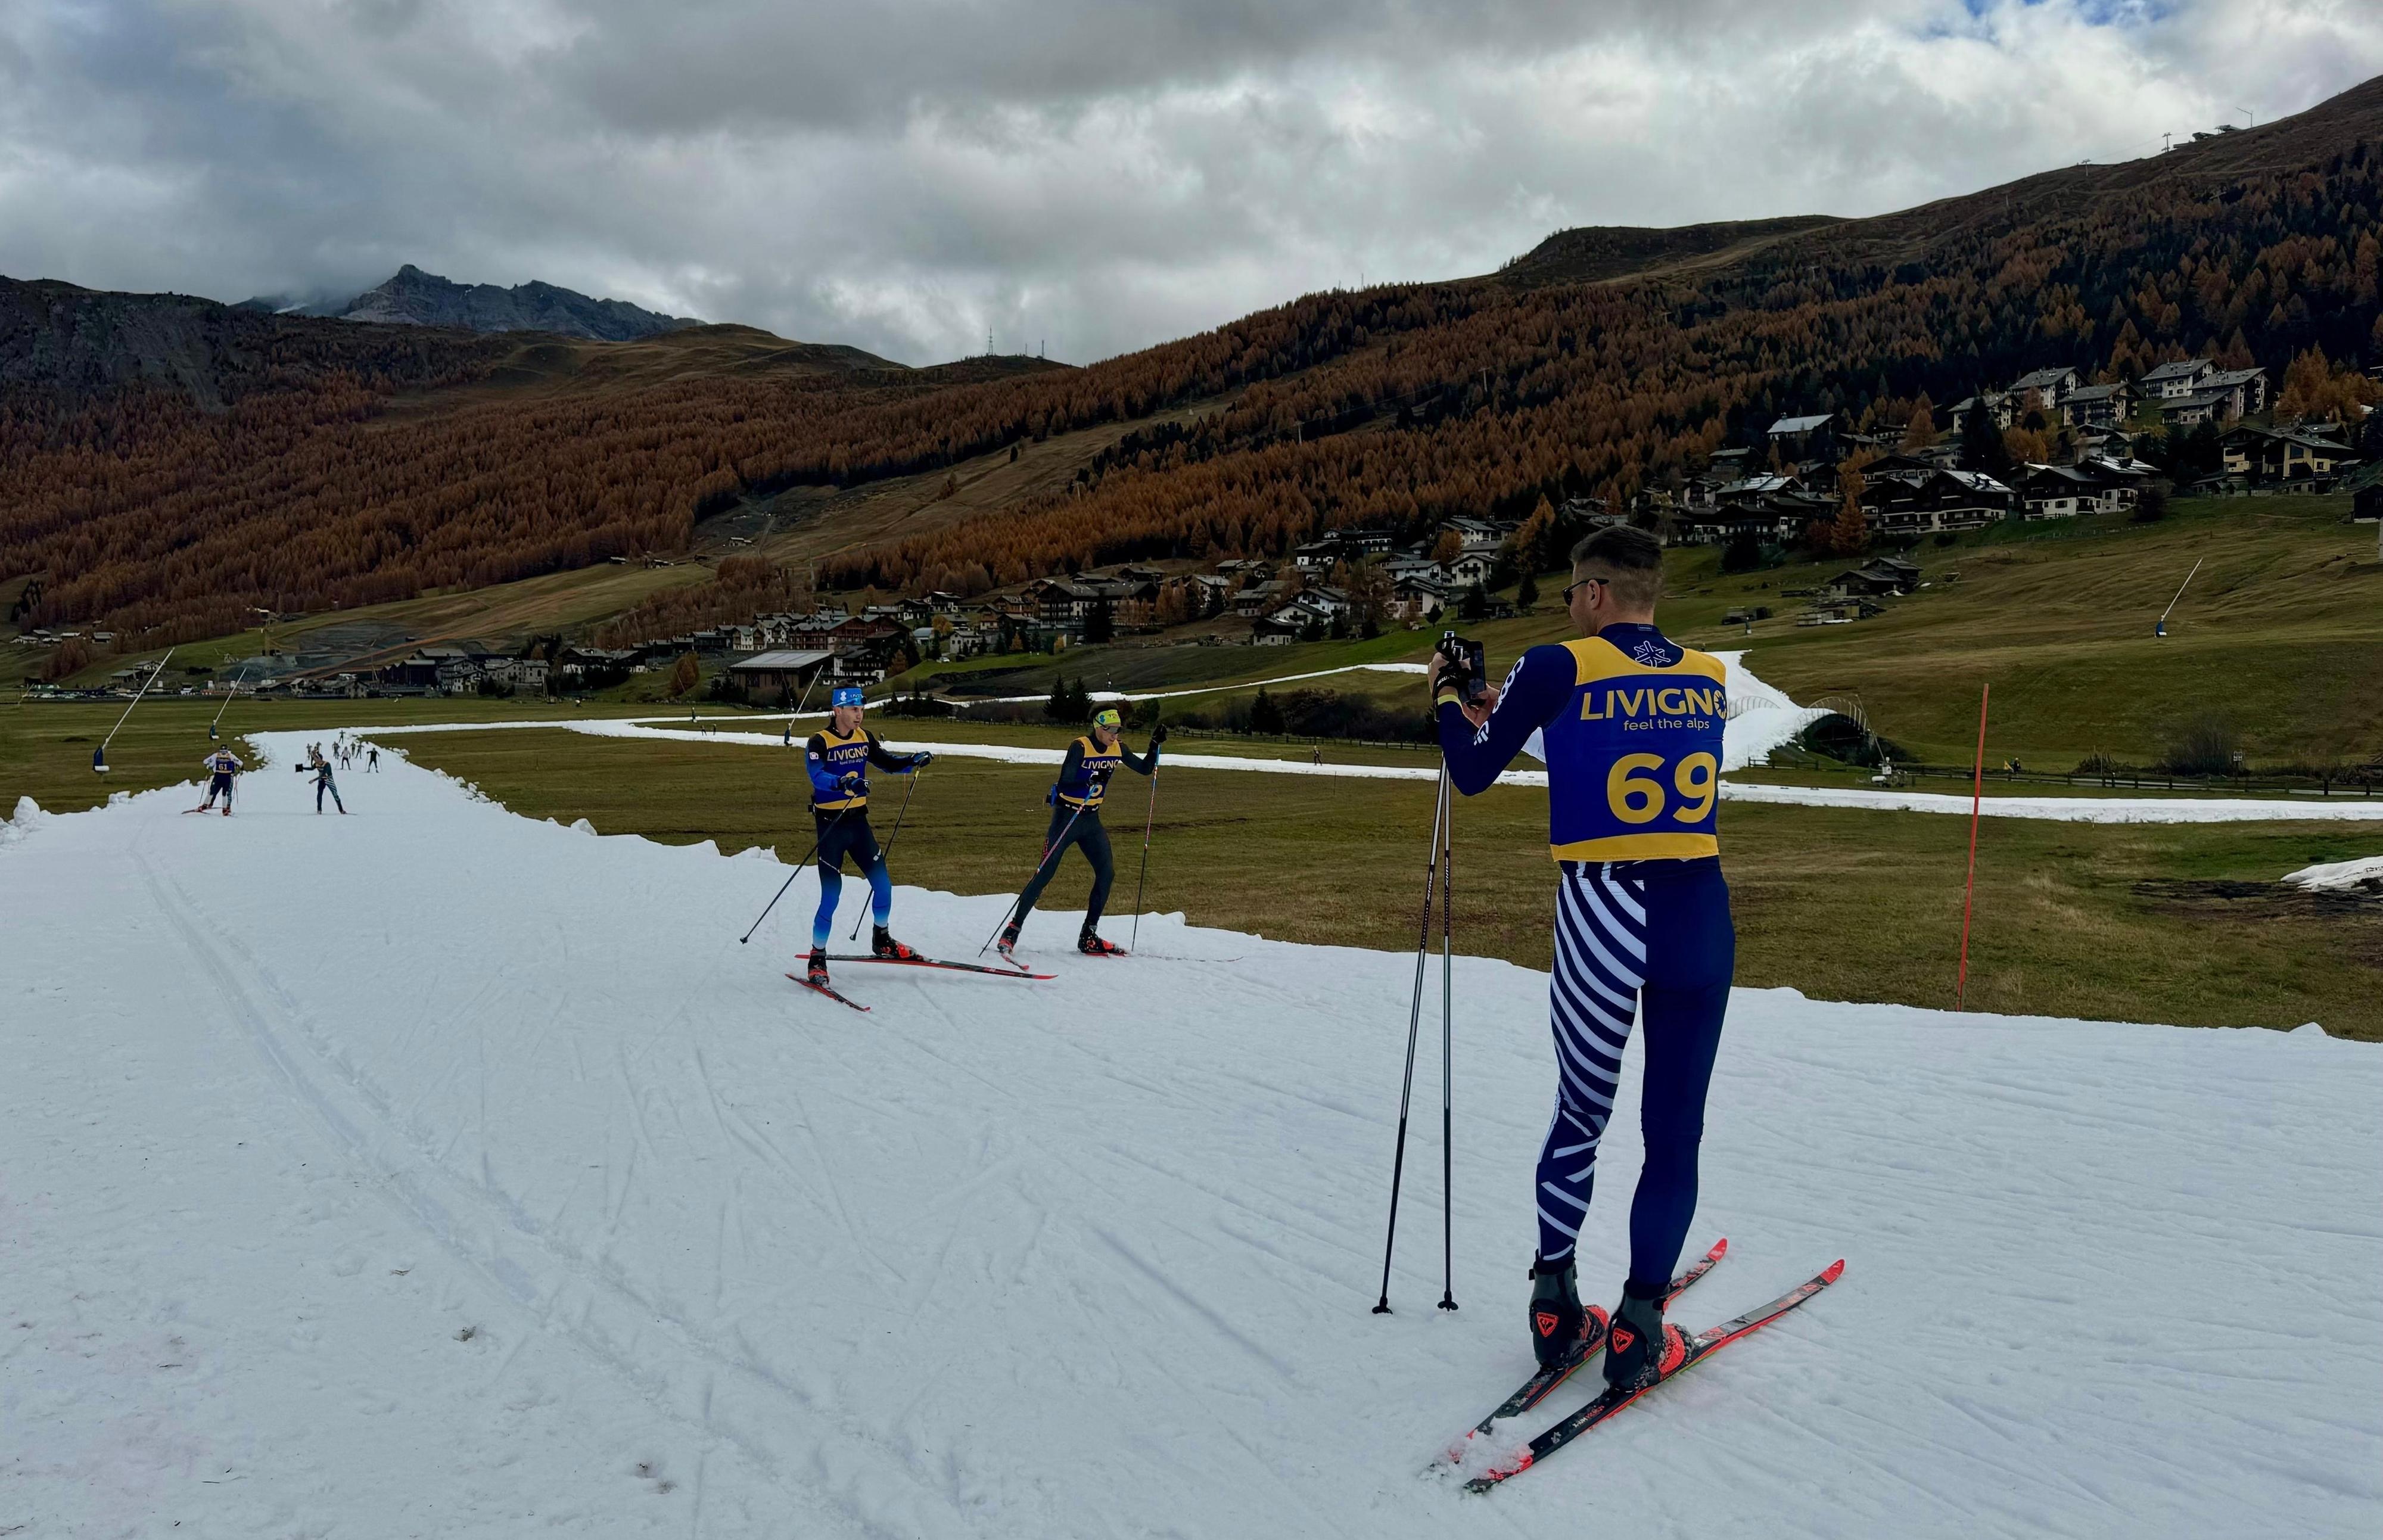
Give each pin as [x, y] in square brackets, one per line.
[412, 297]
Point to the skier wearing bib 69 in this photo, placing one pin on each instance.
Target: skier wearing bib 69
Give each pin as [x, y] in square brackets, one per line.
[838, 757]
[1075, 801]
[1632, 726]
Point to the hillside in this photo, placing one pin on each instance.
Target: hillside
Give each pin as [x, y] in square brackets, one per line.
[1605, 362]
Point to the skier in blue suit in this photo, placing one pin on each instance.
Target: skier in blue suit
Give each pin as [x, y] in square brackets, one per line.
[1631, 724]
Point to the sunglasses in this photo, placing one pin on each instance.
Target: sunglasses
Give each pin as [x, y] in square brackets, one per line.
[1581, 583]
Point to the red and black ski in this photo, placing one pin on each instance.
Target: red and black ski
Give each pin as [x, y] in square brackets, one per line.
[1018, 972]
[1700, 1346]
[1540, 1386]
[822, 989]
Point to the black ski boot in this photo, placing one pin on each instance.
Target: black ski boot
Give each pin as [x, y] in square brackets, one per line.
[883, 944]
[1090, 946]
[1640, 1346]
[1559, 1328]
[1007, 944]
[817, 973]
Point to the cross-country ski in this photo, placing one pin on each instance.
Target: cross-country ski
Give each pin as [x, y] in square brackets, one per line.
[1543, 1383]
[1694, 1350]
[934, 963]
[818, 986]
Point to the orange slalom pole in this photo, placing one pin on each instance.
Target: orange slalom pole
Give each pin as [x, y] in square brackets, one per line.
[1969, 895]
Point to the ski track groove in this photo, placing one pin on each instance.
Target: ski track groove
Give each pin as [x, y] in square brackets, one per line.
[506, 1277]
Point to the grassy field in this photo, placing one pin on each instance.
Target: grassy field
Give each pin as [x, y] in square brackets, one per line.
[1840, 904]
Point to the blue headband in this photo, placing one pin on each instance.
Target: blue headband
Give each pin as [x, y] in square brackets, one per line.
[844, 695]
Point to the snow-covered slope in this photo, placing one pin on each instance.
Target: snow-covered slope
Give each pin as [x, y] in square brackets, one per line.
[433, 1170]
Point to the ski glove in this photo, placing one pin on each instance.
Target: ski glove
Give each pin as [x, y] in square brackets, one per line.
[921, 760]
[851, 781]
[1158, 735]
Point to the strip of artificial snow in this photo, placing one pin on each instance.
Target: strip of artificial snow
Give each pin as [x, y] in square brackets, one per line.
[434, 1170]
[1417, 669]
[2068, 809]
[2339, 874]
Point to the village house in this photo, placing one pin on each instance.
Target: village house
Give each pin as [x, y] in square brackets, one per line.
[1420, 594]
[1796, 438]
[1341, 545]
[1470, 566]
[2173, 381]
[2098, 405]
[2294, 457]
[2048, 389]
[1200, 594]
[779, 676]
[1932, 500]
[1070, 602]
[1278, 630]
[2191, 411]
[1258, 599]
[2000, 405]
[1888, 578]
[2218, 396]
[2068, 491]
[1478, 532]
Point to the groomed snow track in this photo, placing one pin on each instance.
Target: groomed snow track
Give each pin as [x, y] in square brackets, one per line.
[434, 1170]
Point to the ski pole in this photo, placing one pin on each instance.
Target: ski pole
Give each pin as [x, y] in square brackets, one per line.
[887, 853]
[791, 876]
[1147, 819]
[1447, 1061]
[1415, 1023]
[1057, 843]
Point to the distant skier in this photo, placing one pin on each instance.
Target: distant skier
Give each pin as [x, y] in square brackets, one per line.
[321, 769]
[1075, 801]
[373, 762]
[838, 757]
[1632, 725]
[221, 766]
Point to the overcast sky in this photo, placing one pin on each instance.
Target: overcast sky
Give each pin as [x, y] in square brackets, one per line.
[1095, 174]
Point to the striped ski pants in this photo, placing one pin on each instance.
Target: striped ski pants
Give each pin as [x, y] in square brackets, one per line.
[1632, 937]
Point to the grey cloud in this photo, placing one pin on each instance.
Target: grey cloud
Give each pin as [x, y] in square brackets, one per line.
[1103, 175]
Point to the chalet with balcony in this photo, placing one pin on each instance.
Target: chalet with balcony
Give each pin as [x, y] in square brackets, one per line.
[1933, 501]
